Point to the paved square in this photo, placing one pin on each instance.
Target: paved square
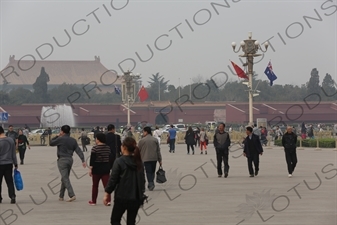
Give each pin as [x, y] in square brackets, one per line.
[193, 194]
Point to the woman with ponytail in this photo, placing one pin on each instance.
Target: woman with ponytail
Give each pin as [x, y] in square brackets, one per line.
[127, 180]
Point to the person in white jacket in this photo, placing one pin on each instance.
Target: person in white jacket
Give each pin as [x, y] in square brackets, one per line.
[157, 134]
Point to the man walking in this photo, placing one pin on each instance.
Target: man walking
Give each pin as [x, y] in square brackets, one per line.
[172, 134]
[222, 142]
[12, 134]
[66, 146]
[252, 150]
[278, 133]
[114, 142]
[150, 154]
[50, 132]
[7, 160]
[289, 142]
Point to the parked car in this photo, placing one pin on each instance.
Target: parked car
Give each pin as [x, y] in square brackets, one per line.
[168, 126]
[180, 126]
[167, 130]
[37, 131]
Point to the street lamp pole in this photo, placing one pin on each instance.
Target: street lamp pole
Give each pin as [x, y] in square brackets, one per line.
[250, 47]
[129, 97]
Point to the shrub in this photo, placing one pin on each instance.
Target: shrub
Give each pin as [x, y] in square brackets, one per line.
[312, 143]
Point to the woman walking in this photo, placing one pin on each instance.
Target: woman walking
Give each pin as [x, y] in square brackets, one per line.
[203, 139]
[22, 145]
[127, 180]
[99, 166]
[190, 140]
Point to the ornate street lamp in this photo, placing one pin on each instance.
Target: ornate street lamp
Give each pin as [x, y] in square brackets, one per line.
[129, 91]
[250, 47]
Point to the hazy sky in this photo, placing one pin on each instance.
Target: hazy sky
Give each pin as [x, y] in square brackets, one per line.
[127, 27]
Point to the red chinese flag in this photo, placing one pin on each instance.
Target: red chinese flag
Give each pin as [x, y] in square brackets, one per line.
[239, 71]
[142, 94]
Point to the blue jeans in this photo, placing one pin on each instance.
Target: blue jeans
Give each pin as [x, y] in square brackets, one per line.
[150, 169]
[172, 144]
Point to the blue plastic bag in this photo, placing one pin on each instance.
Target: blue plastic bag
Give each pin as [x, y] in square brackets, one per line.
[18, 180]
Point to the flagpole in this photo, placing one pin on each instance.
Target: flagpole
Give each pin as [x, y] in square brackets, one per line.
[128, 103]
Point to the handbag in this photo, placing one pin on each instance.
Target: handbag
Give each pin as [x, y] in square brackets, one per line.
[161, 178]
[144, 199]
[168, 140]
[206, 139]
[18, 180]
[87, 141]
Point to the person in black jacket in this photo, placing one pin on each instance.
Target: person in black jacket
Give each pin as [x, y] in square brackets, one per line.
[22, 145]
[127, 180]
[289, 142]
[113, 140]
[222, 142]
[190, 140]
[252, 149]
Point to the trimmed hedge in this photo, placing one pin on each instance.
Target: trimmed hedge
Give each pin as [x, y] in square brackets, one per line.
[323, 143]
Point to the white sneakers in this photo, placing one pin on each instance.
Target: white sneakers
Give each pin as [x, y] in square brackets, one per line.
[290, 175]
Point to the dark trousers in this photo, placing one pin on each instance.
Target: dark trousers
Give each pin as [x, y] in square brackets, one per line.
[188, 148]
[22, 151]
[197, 142]
[291, 158]
[84, 147]
[95, 182]
[7, 172]
[150, 169]
[221, 155]
[120, 207]
[112, 159]
[253, 158]
[172, 144]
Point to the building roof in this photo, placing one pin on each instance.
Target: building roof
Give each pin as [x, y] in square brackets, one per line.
[70, 72]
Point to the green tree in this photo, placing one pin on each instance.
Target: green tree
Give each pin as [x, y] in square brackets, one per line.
[329, 88]
[4, 98]
[19, 96]
[41, 87]
[313, 87]
[157, 87]
[60, 93]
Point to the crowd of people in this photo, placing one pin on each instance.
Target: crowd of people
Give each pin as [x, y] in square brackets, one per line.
[122, 164]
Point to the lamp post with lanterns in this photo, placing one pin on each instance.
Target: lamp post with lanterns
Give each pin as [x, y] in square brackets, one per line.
[129, 91]
[250, 47]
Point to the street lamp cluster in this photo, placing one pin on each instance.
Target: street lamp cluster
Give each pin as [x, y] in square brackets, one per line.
[250, 47]
[129, 91]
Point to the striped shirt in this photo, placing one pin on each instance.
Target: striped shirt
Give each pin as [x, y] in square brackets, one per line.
[99, 159]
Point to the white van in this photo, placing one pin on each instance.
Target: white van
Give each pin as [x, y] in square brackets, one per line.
[180, 126]
[211, 124]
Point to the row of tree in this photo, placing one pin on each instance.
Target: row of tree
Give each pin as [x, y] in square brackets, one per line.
[160, 89]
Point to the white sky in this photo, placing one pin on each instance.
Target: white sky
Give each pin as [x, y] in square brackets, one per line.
[25, 25]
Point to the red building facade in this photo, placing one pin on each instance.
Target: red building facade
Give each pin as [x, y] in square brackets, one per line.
[168, 113]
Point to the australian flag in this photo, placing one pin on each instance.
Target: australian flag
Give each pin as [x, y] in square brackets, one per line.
[118, 90]
[270, 74]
